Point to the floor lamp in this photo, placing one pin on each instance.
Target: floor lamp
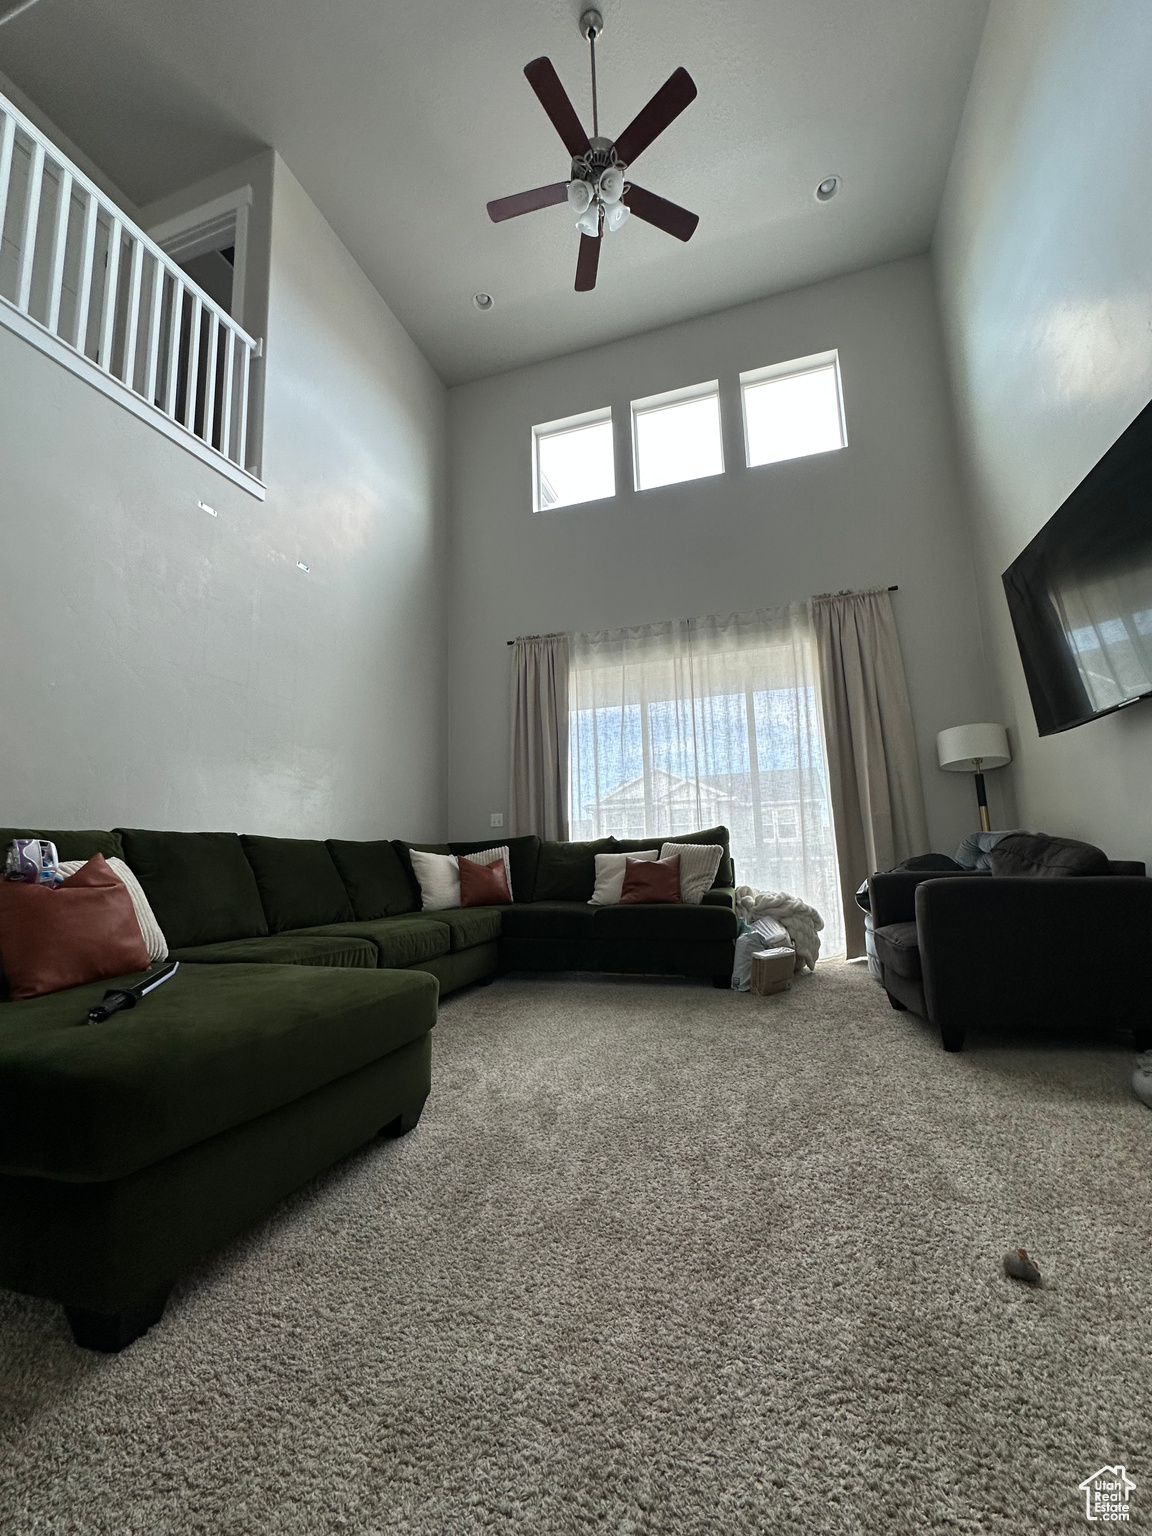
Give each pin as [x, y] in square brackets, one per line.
[975, 749]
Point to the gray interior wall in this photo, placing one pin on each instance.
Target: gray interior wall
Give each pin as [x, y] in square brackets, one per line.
[886, 509]
[166, 667]
[1043, 256]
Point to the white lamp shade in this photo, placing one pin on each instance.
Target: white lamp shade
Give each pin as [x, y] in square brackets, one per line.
[959, 747]
[579, 194]
[615, 215]
[612, 184]
[589, 222]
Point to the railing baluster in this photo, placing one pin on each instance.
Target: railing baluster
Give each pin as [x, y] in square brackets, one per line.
[226, 400]
[59, 249]
[193, 365]
[154, 311]
[7, 143]
[87, 256]
[242, 435]
[133, 319]
[111, 283]
[30, 227]
[174, 347]
[210, 377]
[214, 367]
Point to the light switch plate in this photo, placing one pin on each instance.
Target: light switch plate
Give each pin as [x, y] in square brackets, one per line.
[496, 819]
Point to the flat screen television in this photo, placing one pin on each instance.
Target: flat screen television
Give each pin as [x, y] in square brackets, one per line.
[1080, 594]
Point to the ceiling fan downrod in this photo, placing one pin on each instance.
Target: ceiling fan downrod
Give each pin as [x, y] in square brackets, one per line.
[591, 26]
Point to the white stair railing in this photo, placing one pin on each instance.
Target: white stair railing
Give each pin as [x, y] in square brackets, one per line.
[81, 272]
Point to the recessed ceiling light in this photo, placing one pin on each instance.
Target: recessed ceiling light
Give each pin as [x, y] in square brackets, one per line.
[827, 189]
[483, 300]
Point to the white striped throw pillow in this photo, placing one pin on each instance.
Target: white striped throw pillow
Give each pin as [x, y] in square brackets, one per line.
[698, 865]
[154, 941]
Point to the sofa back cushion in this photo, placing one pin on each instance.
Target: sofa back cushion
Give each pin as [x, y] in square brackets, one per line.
[1038, 854]
[725, 874]
[300, 886]
[69, 845]
[567, 871]
[374, 877]
[523, 857]
[200, 885]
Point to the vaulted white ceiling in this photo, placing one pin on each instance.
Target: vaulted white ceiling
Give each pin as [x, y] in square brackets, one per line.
[403, 120]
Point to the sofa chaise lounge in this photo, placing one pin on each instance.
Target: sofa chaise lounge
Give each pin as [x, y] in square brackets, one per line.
[297, 1028]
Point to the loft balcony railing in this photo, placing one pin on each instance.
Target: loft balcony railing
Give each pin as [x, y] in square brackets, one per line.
[82, 281]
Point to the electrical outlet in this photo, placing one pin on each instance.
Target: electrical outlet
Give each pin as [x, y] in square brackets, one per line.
[496, 819]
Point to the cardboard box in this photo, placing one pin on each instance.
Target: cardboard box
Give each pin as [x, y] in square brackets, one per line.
[772, 971]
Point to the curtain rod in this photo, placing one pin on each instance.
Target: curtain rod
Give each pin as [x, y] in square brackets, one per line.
[819, 594]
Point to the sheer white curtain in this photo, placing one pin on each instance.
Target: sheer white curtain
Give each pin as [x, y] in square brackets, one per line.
[700, 722]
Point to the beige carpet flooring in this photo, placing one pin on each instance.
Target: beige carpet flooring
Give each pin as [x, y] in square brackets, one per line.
[658, 1260]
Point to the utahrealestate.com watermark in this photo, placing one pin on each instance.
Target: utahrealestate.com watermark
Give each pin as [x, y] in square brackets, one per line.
[1106, 1494]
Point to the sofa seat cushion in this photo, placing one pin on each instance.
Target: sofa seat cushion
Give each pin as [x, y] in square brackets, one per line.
[375, 879]
[898, 949]
[564, 921]
[399, 941]
[470, 926]
[299, 884]
[200, 885]
[213, 1048]
[69, 845]
[284, 949]
[664, 924]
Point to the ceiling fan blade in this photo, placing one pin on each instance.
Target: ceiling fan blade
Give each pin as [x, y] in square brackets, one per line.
[502, 208]
[587, 262]
[677, 92]
[669, 217]
[544, 80]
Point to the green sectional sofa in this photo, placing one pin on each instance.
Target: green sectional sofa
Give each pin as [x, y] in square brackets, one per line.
[297, 1028]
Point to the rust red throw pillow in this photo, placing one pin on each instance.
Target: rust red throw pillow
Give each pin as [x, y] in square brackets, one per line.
[647, 881]
[83, 930]
[483, 885]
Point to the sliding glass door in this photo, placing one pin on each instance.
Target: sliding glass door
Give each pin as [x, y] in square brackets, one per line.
[697, 723]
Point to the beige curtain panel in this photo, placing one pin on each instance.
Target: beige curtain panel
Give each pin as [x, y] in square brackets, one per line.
[538, 799]
[873, 771]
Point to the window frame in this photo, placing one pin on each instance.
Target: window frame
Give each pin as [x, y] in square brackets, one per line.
[793, 368]
[667, 400]
[557, 428]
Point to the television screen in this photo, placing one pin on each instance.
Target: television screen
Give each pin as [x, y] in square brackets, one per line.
[1080, 595]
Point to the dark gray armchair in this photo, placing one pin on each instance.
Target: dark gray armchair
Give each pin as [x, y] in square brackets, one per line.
[997, 951]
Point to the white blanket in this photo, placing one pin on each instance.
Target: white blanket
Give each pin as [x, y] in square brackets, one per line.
[802, 921]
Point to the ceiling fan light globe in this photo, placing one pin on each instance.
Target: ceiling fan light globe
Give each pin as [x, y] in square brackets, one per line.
[615, 216]
[589, 222]
[579, 195]
[611, 187]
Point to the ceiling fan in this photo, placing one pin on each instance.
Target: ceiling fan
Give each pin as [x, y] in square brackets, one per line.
[598, 192]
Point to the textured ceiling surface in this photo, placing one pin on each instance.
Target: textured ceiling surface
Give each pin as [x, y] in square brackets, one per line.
[402, 121]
